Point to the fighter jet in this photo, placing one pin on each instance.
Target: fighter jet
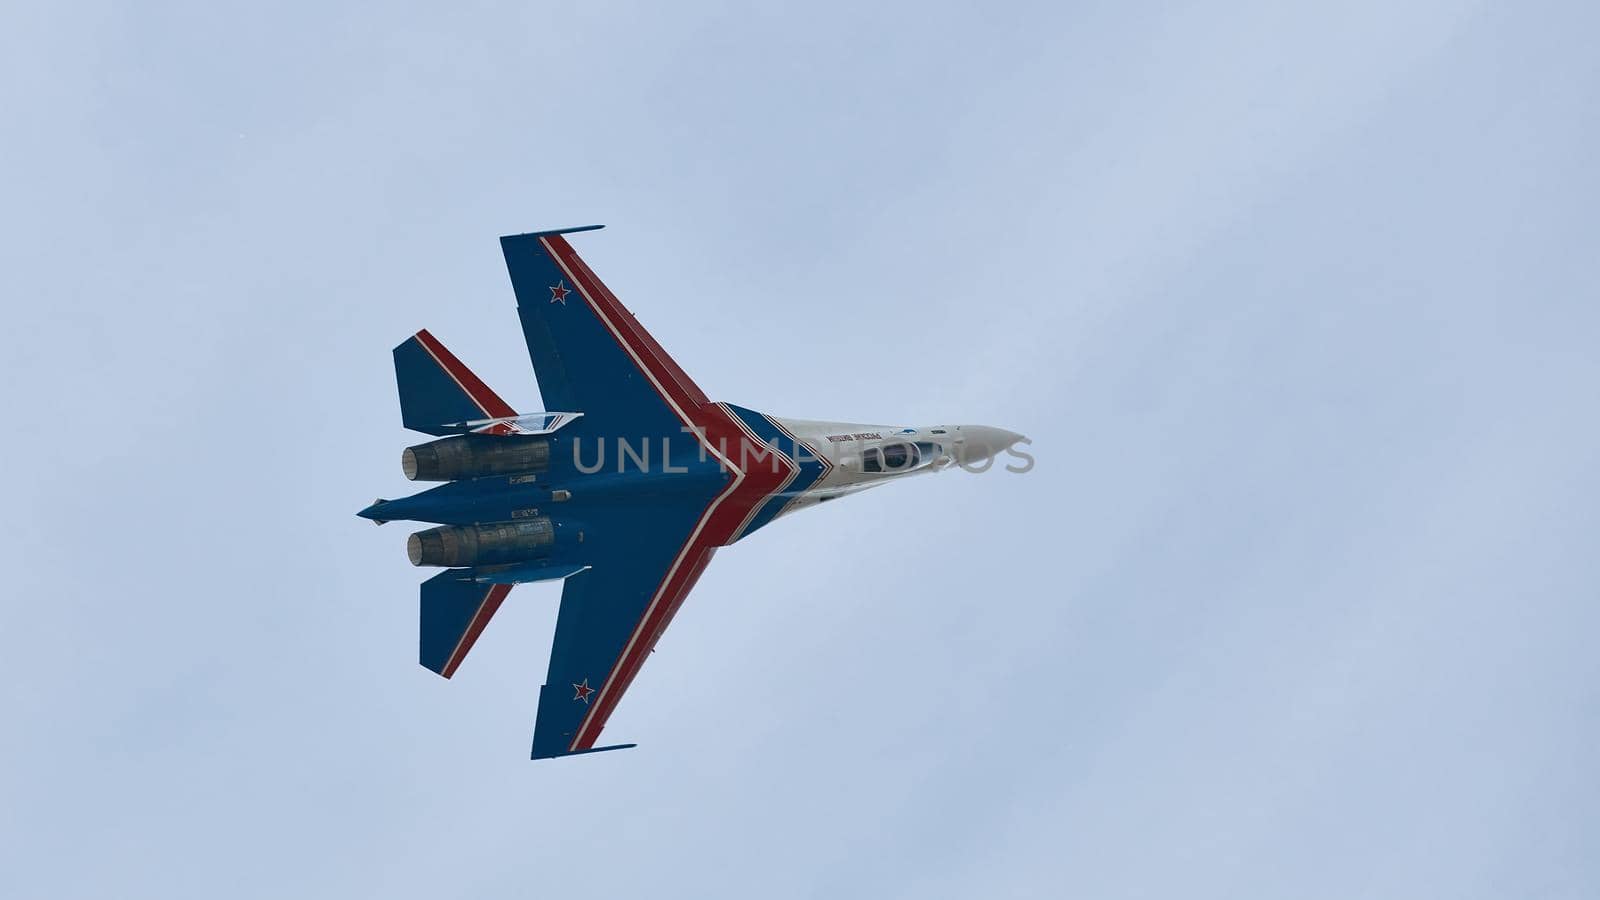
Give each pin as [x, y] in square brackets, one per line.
[624, 493]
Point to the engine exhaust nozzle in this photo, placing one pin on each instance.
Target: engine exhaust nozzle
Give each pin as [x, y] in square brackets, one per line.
[481, 545]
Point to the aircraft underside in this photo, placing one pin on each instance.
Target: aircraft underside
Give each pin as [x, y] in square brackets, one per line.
[624, 495]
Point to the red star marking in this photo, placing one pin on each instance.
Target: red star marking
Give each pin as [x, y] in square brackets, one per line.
[559, 292]
[583, 691]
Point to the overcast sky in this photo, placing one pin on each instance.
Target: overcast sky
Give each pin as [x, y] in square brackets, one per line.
[1299, 306]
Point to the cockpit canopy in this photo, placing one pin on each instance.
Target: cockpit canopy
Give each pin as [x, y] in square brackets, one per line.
[899, 456]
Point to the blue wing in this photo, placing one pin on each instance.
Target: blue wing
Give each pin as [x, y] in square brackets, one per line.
[589, 352]
[611, 617]
[592, 356]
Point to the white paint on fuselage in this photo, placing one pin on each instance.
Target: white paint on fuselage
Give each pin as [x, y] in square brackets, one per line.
[859, 456]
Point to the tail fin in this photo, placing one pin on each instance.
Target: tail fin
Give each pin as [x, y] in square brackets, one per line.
[455, 611]
[437, 390]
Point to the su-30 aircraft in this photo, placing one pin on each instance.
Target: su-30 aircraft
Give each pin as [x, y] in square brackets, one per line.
[625, 494]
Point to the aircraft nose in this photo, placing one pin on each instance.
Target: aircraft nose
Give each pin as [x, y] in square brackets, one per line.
[983, 442]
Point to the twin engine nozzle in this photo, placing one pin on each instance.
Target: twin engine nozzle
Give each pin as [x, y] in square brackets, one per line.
[465, 456]
[481, 545]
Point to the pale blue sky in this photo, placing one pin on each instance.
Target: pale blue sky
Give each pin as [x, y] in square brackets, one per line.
[1299, 304]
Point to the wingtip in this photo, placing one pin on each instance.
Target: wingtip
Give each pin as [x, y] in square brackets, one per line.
[553, 231]
[582, 752]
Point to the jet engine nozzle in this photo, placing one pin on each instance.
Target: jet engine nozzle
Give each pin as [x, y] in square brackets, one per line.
[481, 545]
[475, 456]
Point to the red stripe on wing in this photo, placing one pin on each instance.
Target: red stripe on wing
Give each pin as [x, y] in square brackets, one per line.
[718, 524]
[618, 682]
[678, 385]
[488, 401]
[480, 620]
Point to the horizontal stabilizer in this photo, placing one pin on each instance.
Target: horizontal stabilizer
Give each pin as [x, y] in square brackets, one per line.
[436, 388]
[455, 611]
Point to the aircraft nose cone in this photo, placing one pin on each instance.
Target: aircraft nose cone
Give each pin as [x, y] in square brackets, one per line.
[982, 442]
